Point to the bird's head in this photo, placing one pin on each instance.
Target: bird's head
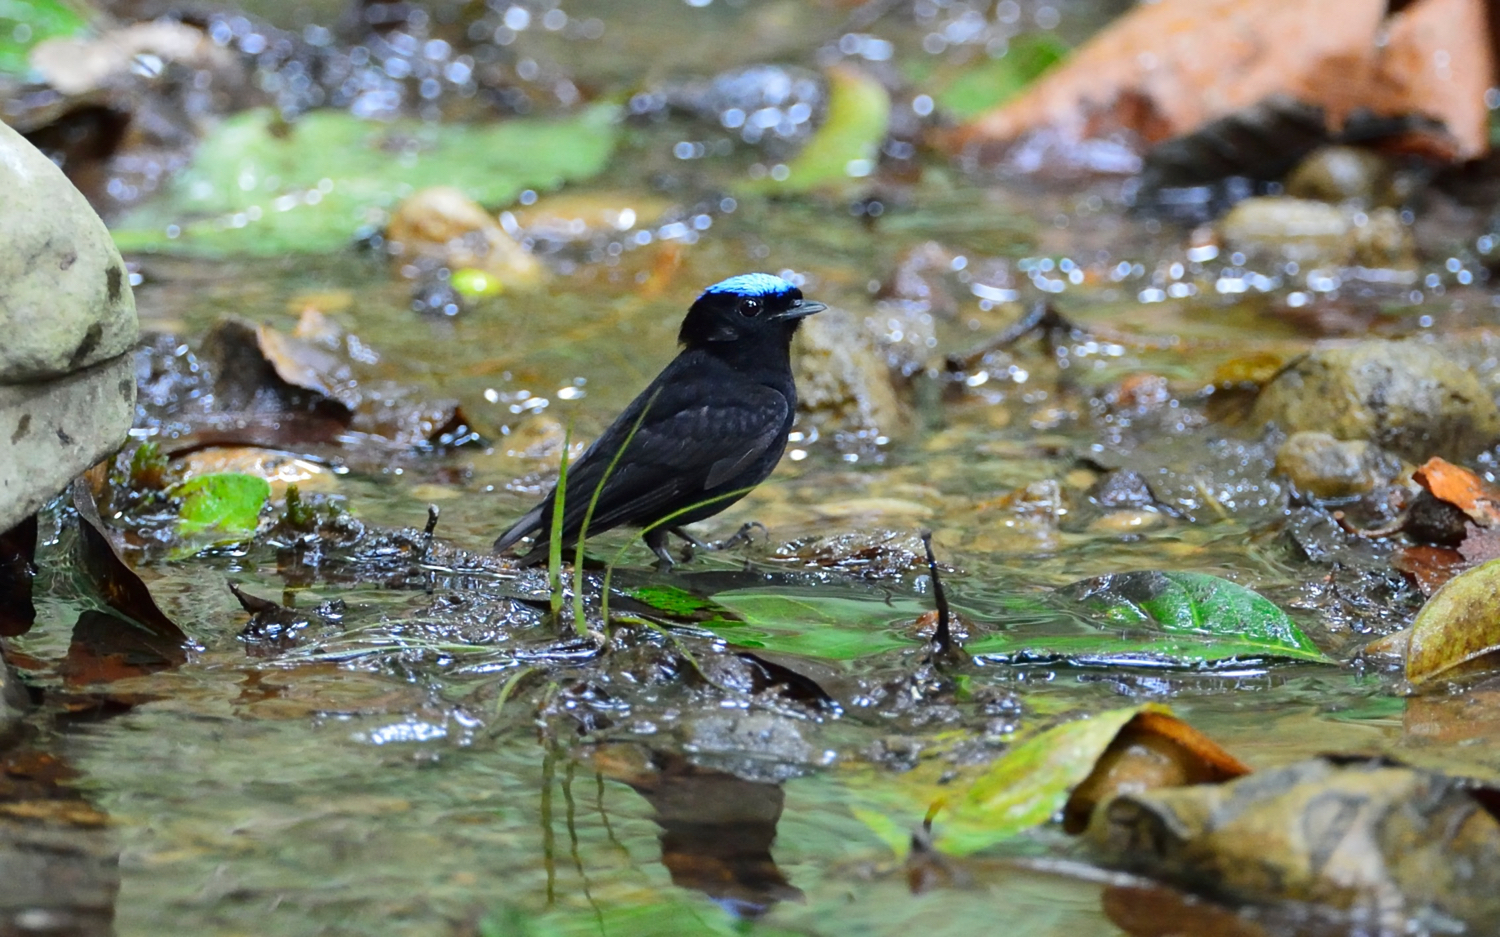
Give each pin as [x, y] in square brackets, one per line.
[751, 305]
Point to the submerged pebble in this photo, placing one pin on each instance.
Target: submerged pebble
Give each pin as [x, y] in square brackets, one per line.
[1326, 467]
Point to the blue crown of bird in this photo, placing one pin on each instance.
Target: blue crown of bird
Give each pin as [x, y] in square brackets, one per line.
[708, 429]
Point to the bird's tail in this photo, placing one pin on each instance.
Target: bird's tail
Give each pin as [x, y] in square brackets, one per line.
[530, 523]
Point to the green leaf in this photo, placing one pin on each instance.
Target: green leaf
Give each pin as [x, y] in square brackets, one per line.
[845, 148]
[674, 602]
[228, 501]
[994, 81]
[1178, 617]
[24, 23]
[1460, 623]
[822, 626]
[1029, 784]
[257, 186]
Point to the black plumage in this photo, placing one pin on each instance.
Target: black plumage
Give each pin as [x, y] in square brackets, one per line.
[711, 426]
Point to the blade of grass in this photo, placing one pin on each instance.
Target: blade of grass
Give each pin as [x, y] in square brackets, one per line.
[554, 541]
[579, 624]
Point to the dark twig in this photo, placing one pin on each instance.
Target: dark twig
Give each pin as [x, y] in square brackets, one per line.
[942, 637]
[432, 521]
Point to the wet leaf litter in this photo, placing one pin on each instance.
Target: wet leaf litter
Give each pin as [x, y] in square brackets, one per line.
[1159, 621]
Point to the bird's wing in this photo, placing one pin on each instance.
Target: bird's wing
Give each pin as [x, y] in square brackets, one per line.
[694, 436]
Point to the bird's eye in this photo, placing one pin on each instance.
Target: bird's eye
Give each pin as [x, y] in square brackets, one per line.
[750, 307]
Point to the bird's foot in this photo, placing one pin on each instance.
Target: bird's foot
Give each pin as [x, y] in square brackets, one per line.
[739, 537]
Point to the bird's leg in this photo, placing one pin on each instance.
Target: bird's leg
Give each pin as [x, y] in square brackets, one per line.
[657, 540]
[740, 536]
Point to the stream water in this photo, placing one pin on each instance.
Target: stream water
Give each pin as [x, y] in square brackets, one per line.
[354, 785]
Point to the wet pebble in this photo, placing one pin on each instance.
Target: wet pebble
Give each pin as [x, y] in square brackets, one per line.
[1273, 230]
[844, 385]
[1405, 397]
[442, 226]
[1344, 174]
[1325, 467]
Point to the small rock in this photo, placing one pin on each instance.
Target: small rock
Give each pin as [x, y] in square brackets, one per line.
[1273, 230]
[844, 386]
[583, 216]
[65, 300]
[443, 226]
[1326, 467]
[51, 431]
[1405, 397]
[1344, 174]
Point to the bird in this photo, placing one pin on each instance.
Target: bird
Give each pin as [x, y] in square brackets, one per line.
[711, 426]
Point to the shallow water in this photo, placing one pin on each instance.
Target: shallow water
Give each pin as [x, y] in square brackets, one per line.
[389, 792]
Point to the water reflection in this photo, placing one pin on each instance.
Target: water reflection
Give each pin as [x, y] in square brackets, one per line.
[58, 861]
[716, 832]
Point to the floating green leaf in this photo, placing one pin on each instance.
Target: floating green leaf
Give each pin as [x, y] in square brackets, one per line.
[829, 627]
[258, 186]
[845, 148]
[674, 602]
[24, 23]
[1029, 784]
[1177, 617]
[228, 501]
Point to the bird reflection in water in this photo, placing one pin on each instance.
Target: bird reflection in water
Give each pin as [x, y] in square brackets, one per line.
[716, 831]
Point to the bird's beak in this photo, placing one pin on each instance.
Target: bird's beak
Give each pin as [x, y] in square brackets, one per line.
[800, 309]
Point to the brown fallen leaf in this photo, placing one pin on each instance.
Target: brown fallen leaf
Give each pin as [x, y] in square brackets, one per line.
[1169, 69]
[716, 829]
[1429, 566]
[1461, 488]
[116, 583]
[1154, 749]
[1158, 911]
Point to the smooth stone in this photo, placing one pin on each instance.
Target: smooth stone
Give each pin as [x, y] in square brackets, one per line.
[1405, 397]
[1326, 467]
[65, 300]
[52, 431]
[844, 384]
[1274, 230]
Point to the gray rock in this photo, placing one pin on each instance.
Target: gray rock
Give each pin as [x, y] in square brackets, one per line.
[51, 431]
[1405, 397]
[1272, 230]
[1327, 467]
[844, 385]
[65, 300]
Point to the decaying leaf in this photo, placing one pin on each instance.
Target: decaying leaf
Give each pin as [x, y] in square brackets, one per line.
[17, 570]
[1363, 835]
[1169, 69]
[1461, 488]
[1088, 760]
[1155, 749]
[1429, 566]
[116, 583]
[716, 829]
[1459, 624]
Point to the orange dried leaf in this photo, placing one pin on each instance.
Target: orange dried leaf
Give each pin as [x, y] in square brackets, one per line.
[1169, 68]
[1461, 488]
